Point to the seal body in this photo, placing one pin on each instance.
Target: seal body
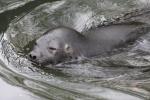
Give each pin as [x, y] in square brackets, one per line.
[62, 43]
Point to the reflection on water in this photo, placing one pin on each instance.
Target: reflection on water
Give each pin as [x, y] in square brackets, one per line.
[9, 92]
[123, 76]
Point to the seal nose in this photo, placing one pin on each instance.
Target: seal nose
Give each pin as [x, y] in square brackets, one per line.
[32, 56]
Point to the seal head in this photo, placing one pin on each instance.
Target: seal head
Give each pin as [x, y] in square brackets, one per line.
[55, 46]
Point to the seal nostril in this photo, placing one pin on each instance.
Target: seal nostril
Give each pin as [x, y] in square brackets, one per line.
[30, 56]
[33, 57]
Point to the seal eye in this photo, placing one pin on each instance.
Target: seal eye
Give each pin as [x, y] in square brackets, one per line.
[35, 43]
[52, 48]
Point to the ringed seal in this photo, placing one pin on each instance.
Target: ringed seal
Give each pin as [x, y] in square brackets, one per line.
[63, 43]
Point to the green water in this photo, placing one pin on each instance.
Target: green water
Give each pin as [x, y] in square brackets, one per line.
[123, 76]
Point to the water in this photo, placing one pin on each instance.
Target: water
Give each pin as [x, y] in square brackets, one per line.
[123, 76]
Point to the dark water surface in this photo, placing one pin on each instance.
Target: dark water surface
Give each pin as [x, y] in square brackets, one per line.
[122, 76]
